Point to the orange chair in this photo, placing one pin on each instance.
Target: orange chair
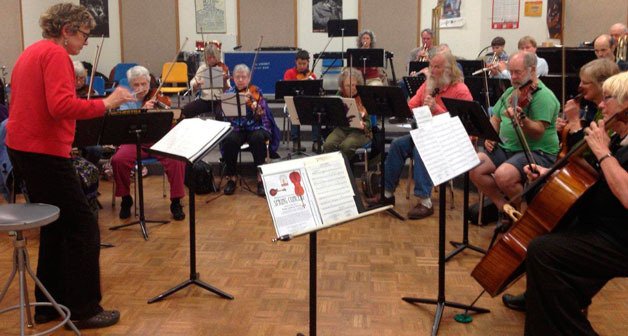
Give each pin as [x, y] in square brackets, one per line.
[176, 81]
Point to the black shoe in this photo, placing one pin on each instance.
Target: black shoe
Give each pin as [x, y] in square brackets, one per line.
[260, 189]
[41, 318]
[125, 207]
[515, 302]
[377, 200]
[296, 148]
[103, 319]
[177, 210]
[230, 187]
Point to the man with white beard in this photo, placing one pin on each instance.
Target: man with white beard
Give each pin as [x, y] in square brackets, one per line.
[445, 80]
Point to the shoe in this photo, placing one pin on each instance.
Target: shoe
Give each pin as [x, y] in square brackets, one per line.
[515, 302]
[420, 211]
[125, 207]
[316, 148]
[177, 210]
[377, 200]
[103, 319]
[41, 318]
[260, 189]
[230, 187]
[296, 148]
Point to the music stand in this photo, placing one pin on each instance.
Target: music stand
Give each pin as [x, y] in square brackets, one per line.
[213, 86]
[366, 57]
[136, 128]
[470, 66]
[342, 28]
[478, 89]
[417, 66]
[413, 83]
[384, 101]
[476, 123]
[321, 111]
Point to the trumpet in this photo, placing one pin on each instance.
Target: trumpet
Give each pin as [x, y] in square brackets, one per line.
[423, 58]
[621, 51]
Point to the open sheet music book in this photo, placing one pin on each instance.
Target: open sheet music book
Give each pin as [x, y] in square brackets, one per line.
[351, 107]
[192, 138]
[444, 145]
[230, 104]
[310, 194]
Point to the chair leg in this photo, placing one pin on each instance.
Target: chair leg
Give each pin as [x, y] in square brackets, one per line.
[480, 207]
[451, 193]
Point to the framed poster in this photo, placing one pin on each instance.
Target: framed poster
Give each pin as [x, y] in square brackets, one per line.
[210, 16]
[100, 11]
[323, 11]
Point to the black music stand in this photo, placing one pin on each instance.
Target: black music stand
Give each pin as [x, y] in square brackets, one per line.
[495, 87]
[384, 101]
[470, 66]
[342, 28]
[213, 86]
[416, 66]
[413, 83]
[136, 128]
[476, 123]
[366, 58]
[194, 278]
[321, 111]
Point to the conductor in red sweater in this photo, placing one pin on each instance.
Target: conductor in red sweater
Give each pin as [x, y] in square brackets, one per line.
[40, 131]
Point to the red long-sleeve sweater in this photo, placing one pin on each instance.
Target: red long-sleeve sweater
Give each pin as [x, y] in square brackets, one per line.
[44, 107]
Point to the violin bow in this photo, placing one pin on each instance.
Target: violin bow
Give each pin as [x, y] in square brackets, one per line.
[259, 46]
[95, 65]
[174, 60]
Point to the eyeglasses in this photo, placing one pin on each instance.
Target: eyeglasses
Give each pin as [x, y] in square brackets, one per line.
[85, 35]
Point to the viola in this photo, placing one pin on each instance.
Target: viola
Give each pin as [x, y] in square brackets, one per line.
[295, 178]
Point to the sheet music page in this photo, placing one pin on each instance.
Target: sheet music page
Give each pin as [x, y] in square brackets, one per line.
[353, 114]
[190, 137]
[422, 114]
[292, 110]
[330, 181]
[230, 106]
[445, 148]
[290, 198]
[213, 82]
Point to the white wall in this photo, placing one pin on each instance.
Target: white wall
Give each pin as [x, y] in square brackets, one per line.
[187, 26]
[111, 53]
[477, 33]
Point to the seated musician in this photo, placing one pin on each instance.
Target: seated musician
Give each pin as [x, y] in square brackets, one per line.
[256, 127]
[348, 139]
[592, 76]
[209, 100]
[372, 75]
[92, 154]
[420, 54]
[124, 159]
[605, 47]
[527, 44]
[446, 80]
[301, 71]
[497, 59]
[567, 268]
[500, 173]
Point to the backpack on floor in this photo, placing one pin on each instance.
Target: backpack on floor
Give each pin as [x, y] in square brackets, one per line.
[203, 177]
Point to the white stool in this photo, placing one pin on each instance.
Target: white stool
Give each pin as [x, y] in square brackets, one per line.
[19, 217]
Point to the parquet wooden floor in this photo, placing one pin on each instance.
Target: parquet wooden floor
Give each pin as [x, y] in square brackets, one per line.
[365, 267]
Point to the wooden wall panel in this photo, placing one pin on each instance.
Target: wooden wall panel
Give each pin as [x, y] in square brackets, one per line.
[586, 19]
[11, 34]
[274, 19]
[149, 32]
[395, 25]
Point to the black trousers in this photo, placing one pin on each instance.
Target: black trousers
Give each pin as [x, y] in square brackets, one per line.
[231, 147]
[69, 248]
[200, 106]
[565, 270]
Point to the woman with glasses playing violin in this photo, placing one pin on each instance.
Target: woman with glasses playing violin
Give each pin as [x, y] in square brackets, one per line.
[123, 161]
[209, 100]
[40, 132]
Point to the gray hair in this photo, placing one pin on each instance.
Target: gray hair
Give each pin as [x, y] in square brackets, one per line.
[213, 50]
[529, 59]
[354, 73]
[370, 34]
[242, 67]
[427, 30]
[79, 69]
[137, 71]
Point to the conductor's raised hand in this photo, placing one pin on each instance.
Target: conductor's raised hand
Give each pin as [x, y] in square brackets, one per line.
[118, 97]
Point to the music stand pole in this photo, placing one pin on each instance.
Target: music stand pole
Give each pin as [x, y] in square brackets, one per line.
[140, 186]
[460, 246]
[440, 301]
[382, 167]
[194, 278]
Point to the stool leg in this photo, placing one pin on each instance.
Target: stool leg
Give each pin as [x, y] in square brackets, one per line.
[22, 283]
[11, 276]
[46, 293]
[29, 316]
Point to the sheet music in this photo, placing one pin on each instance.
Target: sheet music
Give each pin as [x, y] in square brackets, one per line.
[192, 137]
[422, 114]
[230, 106]
[445, 148]
[292, 110]
[213, 82]
[354, 116]
[332, 187]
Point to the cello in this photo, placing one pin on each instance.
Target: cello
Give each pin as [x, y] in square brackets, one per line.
[565, 183]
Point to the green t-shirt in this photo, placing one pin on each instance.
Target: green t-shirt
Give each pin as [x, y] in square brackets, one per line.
[543, 107]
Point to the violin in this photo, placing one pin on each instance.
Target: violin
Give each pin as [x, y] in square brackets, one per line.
[252, 103]
[522, 96]
[295, 178]
[305, 75]
[159, 99]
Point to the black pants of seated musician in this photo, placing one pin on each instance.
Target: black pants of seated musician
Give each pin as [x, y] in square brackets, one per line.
[565, 270]
[232, 143]
[200, 106]
[69, 250]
